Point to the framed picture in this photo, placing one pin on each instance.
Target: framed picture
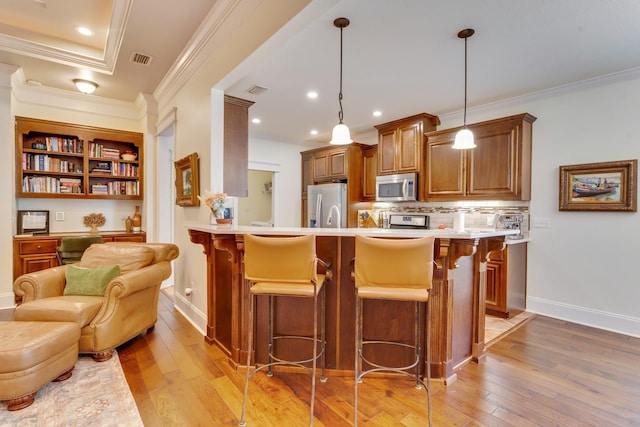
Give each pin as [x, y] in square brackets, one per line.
[33, 222]
[608, 186]
[187, 181]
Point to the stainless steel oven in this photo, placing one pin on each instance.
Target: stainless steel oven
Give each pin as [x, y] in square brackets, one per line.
[397, 188]
[419, 221]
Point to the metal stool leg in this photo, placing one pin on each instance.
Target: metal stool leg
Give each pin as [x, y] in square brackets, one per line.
[323, 338]
[243, 422]
[358, 359]
[314, 363]
[270, 337]
[416, 343]
[427, 351]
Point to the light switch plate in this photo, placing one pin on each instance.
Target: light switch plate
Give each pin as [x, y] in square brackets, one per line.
[59, 216]
[541, 222]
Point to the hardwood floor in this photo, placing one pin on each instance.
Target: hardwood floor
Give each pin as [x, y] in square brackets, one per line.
[546, 373]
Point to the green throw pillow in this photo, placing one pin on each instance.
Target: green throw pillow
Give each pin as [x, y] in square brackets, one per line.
[89, 281]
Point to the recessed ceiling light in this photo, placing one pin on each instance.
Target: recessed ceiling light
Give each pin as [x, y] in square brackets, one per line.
[313, 132]
[312, 94]
[84, 31]
[256, 120]
[377, 113]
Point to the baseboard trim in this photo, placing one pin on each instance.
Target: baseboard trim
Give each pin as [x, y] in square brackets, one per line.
[196, 317]
[7, 300]
[613, 322]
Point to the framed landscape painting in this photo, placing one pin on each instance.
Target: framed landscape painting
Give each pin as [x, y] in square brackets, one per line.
[606, 186]
[187, 181]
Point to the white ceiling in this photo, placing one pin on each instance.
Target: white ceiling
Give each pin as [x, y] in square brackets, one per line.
[39, 36]
[402, 57]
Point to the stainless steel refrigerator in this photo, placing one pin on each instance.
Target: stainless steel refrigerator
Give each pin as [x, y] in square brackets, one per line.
[327, 205]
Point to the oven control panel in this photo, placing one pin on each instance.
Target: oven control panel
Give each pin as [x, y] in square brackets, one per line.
[408, 221]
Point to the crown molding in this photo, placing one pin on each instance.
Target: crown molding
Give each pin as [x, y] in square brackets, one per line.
[595, 82]
[76, 55]
[195, 53]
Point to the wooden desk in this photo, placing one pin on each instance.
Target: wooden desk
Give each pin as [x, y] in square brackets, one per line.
[37, 252]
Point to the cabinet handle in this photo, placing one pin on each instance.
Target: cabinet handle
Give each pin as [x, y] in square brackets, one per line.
[39, 247]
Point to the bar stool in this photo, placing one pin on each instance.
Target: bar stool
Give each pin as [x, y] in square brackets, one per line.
[285, 266]
[399, 270]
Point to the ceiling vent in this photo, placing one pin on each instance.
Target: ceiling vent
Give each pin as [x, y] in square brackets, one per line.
[140, 58]
[257, 90]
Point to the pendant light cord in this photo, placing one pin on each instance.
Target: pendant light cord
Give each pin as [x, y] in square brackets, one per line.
[340, 113]
[465, 83]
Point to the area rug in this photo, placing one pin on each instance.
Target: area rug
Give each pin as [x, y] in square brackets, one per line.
[97, 394]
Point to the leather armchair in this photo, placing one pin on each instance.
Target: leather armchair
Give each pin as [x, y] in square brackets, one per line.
[130, 303]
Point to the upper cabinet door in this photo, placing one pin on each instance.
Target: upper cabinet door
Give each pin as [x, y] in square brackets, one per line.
[444, 171]
[370, 167]
[387, 152]
[493, 164]
[400, 143]
[408, 147]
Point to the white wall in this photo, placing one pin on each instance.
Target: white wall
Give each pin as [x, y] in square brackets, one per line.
[7, 192]
[583, 268]
[199, 112]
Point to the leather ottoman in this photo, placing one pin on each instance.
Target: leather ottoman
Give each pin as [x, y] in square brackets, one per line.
[31, 355]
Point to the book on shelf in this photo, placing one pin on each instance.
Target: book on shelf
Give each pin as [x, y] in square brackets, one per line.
[100, 189]
[63, 145]
[102, 167]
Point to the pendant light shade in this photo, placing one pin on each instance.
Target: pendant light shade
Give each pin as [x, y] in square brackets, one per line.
[340, 134]
[464, 137]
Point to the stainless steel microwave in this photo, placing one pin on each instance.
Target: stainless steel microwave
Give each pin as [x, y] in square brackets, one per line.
[397, 188]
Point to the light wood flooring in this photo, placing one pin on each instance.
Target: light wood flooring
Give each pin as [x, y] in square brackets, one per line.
[546, 373]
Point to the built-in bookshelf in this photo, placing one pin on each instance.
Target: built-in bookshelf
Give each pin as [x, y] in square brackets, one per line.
[60, 160]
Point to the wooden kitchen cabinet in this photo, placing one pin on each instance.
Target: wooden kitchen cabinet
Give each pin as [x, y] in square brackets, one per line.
[334, 164]
[236, 146]
[507, 281]
[38, 252]
[370, 171]
[499, 168]
[400, 143]
[330, 165]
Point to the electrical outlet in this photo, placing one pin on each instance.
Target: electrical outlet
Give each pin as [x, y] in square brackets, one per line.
[541, 222]
[59, 216]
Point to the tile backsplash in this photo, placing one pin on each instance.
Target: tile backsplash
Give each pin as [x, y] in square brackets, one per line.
[476, 217]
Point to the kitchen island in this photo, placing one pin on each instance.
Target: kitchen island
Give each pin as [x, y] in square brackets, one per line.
[457, 299]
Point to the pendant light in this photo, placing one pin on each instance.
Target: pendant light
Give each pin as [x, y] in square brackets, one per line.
[340, 134]
[464, 137]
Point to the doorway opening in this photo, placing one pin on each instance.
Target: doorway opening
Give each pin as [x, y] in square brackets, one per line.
[165, 175]
[257, 208]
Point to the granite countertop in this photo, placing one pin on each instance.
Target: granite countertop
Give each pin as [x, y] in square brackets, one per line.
[381, 232]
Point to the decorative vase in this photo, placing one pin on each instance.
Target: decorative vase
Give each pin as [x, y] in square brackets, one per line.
[137, 220]
[94, 229]
[128, 223]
